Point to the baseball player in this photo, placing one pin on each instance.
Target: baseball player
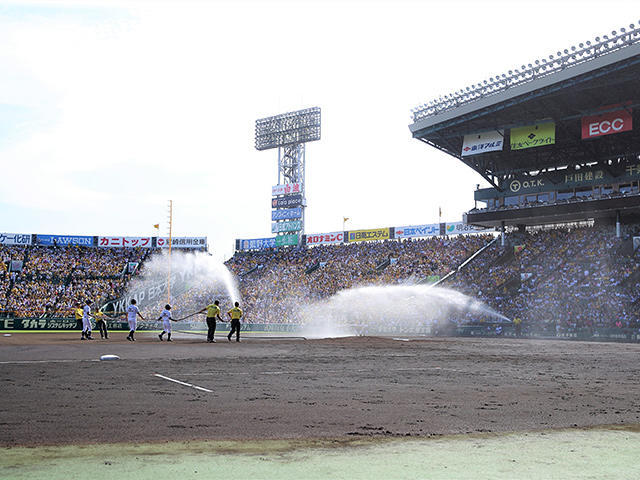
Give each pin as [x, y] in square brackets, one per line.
[132, 316]
[86, 321]
[166, 322]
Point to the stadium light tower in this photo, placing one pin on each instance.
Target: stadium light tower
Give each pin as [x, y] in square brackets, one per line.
[289, 132]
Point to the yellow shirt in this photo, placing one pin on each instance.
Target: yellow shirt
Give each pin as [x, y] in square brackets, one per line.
[236, 313]
[99, 316]
[79, 314]
[213, 310]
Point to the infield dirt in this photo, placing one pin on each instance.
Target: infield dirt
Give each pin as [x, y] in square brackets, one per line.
[55, 392]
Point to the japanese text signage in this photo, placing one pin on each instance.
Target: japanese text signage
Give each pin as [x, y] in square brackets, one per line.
[608, 123]
[15, 239]
[413, 231]
[182, 242]
[286, 189]
[325, 238]
[285, 240]
[459, 228]
[292, 226]
[368, 235]
[286, 214]
[124, 242]
[287, 202]
[537, 135]
[65, 240]
[482, 142]
[257, 243]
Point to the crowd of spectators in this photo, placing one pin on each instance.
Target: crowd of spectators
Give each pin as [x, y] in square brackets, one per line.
[52, 280]
[274, 284]
[558, 281]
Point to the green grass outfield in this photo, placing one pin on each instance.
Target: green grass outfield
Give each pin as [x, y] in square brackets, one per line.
[598, 453]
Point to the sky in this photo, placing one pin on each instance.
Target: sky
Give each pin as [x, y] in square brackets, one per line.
[108, 110]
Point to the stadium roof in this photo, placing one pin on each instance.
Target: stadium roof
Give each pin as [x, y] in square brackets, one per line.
[589, 79]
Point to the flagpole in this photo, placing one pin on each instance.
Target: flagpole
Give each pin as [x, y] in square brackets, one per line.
[170, 242]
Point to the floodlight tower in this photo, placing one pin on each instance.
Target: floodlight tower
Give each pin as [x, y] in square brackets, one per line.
[289, 132]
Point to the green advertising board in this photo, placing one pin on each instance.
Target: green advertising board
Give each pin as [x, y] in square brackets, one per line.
[537, 135]
[286, 240]
[293, 226]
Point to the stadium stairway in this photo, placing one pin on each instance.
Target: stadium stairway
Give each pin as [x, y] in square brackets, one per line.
[463, 264]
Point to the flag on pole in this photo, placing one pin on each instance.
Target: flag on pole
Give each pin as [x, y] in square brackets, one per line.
[344, 219]
[157, 226]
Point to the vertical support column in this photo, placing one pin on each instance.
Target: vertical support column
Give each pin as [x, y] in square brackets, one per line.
[502, 239]
[618, 227]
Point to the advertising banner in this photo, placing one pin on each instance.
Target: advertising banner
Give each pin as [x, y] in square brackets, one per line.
[286, 214]
[289, 201]
[483, 142]
[15, 239]
[182, 242]
[459, 228]
[293, 226]
[124, 242]
[537, 135]
[325, 238]
[257, 243]
[286, 189]
[413, 231]
[286, 240]
[368, 235]
[83, 241]
[607, 123]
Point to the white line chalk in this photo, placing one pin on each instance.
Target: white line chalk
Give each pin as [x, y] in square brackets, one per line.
[183, 383]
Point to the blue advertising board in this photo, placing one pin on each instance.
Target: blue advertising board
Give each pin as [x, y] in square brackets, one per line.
[257, 243]
[287, 214]
[64, 240]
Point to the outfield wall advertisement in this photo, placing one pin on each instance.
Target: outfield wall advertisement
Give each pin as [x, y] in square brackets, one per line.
[369, 235]
[64, 240]
[182, 242]
[413, 231]
[15, 239]
[124, 242]
[325, 238]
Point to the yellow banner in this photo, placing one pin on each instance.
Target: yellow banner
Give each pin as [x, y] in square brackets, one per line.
[537, 135]
[368, 235]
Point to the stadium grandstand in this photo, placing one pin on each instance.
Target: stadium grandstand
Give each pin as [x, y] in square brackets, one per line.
[555, 140]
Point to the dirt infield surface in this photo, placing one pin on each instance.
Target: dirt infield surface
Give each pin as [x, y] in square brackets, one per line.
[54, 391]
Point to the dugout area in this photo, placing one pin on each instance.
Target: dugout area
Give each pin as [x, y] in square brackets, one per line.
[310, 408]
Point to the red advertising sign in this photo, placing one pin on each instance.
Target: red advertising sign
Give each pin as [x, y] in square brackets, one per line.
[607, 123]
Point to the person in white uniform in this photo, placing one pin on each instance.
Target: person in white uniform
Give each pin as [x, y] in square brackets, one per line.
[86, 321]
[132, 316]
[166, 318]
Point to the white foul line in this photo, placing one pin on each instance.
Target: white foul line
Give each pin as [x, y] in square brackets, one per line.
[184, 383]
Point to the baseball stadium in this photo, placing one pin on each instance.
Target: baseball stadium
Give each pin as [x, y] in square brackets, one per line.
[500, 345]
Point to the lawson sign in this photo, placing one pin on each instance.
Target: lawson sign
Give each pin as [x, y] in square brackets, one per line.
[65, 240]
